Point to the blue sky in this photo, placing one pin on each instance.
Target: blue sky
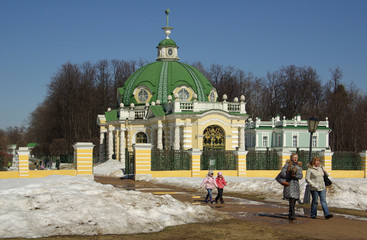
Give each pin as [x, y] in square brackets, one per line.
[37, 37]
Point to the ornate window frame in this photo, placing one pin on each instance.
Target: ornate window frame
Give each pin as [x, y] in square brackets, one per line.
[138, 90]
[213, 94]
[187, 88]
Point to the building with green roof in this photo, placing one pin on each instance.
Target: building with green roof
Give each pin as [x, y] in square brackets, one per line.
[171, 105]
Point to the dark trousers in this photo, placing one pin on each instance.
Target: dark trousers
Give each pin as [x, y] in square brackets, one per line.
[292, 204]
[220, 195]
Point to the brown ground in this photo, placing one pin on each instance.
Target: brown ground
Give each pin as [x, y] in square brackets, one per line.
[247, 221]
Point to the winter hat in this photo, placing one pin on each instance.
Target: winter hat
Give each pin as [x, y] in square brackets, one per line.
[220, 174]
[210, 172]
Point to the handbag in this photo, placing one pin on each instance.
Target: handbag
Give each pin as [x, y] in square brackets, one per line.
[327, 180]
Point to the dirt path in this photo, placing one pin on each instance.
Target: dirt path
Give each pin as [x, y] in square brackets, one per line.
[270, 215]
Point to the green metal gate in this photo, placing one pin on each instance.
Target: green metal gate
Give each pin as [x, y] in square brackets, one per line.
[262, 160]
[129, 163]
[218, 159]
[165, 160]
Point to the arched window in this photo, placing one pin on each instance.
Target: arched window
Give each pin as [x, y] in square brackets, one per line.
[141, 138]
[143, 95]
[214, 137]
[183, 94]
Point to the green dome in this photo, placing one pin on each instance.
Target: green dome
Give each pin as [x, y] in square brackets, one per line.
[167, 43]
[161, 78]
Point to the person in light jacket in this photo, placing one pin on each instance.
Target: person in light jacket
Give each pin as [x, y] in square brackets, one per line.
[209, 184]
[289, 176]
[315, 179]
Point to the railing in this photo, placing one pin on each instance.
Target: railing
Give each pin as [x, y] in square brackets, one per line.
[139, 114]
[218, 159]
[186, 106]
[234, 107]
[163, 160]
[346, 161]
[262, 160]
[52, 162]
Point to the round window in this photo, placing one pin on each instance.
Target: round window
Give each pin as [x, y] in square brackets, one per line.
[143, 95]
[183, 94]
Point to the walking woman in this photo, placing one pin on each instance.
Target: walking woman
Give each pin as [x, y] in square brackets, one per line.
[315, 178]
[289, 176]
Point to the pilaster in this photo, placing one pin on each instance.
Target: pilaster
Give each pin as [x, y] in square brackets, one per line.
[143, 156]
[326, 156]
[23, 155]
[283, 157]
[241, 156]
[83, 156]
[363, 155]
[195, 161]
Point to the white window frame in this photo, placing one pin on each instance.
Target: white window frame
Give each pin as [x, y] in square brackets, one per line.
[315, 140]
[297, 139]
[265, 136]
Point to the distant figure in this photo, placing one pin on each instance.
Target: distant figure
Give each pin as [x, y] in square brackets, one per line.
[315, 178]
[209, 184]
[58, 163]
[288, 177]
[221, 182]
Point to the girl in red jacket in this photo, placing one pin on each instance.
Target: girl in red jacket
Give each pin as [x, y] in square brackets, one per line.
[220, 183]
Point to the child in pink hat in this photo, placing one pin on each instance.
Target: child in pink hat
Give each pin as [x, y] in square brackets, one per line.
[221, 182]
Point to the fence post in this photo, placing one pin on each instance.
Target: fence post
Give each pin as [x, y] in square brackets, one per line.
[326, 156]
[363, 155]
[283, 157]
[241, 156]
[195, 154]
[83, 156]
[23, 158]
[143, 161]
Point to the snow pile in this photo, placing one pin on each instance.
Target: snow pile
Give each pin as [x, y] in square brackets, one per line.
[67, 205]
[344, 193]
[110, 168]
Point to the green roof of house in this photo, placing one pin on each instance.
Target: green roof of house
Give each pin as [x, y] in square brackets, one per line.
[32, 145]
[111, 116]
[161, 78]
[157, 110]
[167, 43]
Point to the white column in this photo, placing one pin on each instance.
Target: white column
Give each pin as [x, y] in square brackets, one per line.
[122, 146]
[110, 144]
[101, 146]
[160, 137]
[241, 144]
[116, 146]
[284, 139]
[176, 144]
[152, 137]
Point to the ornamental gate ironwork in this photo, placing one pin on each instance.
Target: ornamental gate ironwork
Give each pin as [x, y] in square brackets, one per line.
[129, 163]
[214, 137]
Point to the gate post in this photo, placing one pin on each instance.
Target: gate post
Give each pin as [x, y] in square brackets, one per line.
[83, 156]
[241, 162]
[143, 161]
[283, 157]
[326, 156]
[23, 162]
[195, 161]
[363, 155]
